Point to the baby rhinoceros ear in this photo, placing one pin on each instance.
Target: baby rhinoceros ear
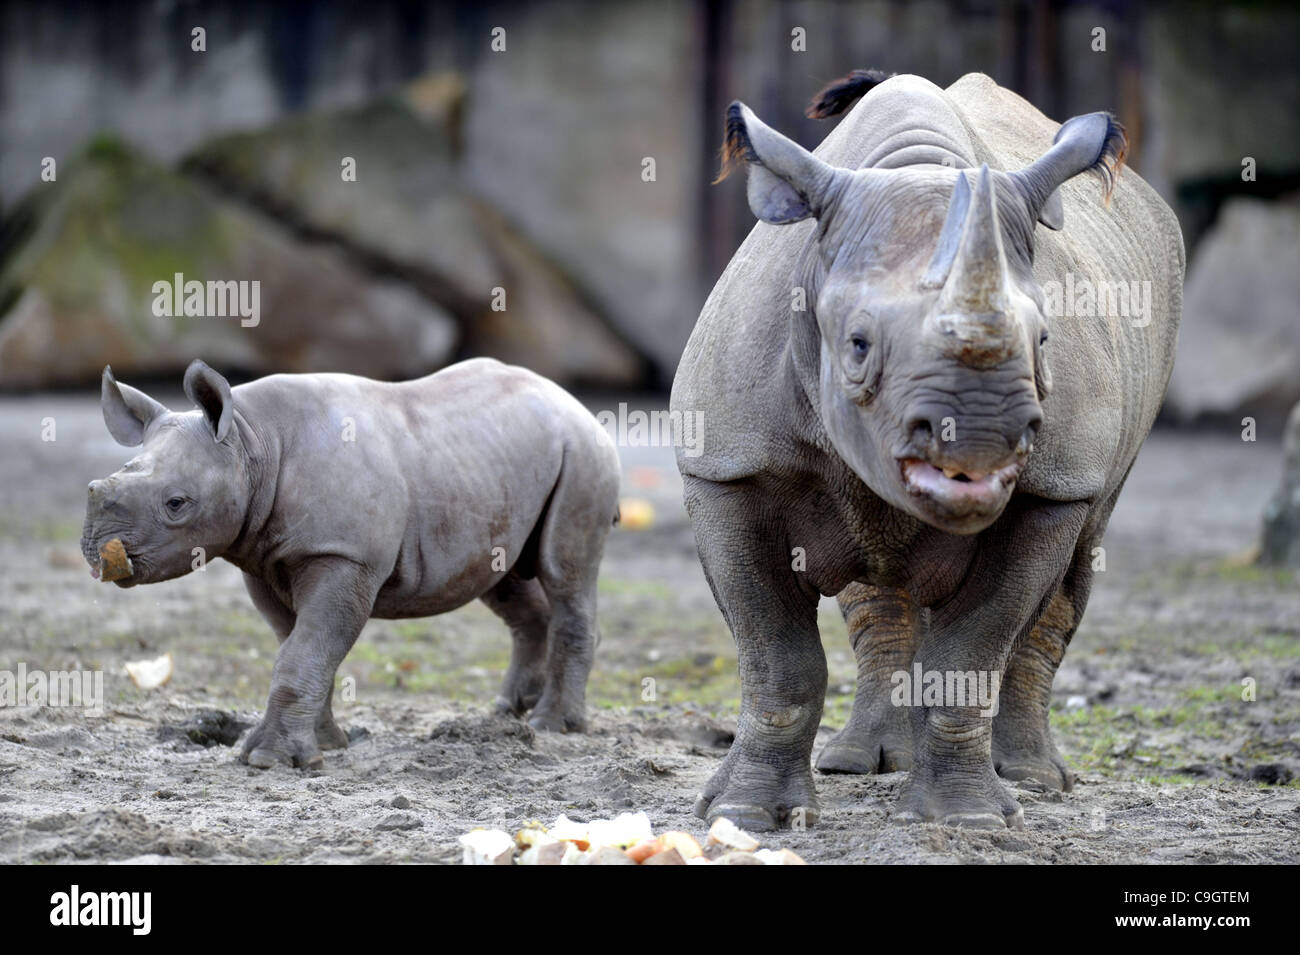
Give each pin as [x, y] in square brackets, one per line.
[127, 411]
[211, 393]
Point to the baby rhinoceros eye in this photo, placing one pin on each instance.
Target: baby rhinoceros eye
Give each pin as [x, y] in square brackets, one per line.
[174, 504]
[860, 346]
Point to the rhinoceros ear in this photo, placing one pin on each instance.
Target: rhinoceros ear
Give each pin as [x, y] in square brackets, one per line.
[211, 393]
[127, 411]
[1093, 143]
[787, 183]
[1052, 214]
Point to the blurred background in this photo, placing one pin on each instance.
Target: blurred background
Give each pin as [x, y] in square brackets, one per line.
[528, 169]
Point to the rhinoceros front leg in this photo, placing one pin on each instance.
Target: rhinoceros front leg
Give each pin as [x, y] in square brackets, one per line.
[1021, 562]
[281, 620]
[334, 598]
[883, 627]
[765, 780]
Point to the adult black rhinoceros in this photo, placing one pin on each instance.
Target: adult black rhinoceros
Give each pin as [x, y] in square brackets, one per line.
[872, 381]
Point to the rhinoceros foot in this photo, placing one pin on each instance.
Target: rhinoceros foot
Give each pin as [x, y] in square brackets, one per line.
[758, 797]
[979, 802]
[329, 735]
[555, 720]
[1047, 767]
[873, 745]
[272, 744]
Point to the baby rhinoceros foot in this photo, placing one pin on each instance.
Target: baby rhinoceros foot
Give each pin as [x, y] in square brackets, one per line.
[759, 796]
[556, 720]
[519, 693]
[329, 735]
[271, 743]
[978, 802]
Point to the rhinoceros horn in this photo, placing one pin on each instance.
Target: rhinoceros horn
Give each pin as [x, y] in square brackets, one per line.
[973, 316]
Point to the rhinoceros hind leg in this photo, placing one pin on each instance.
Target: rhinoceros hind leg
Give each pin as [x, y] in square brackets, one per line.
[1022, 738]
[882, 626]
[523, 606]
[571, 545]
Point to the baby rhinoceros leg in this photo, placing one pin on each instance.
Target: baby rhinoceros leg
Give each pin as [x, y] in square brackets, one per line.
[523, 606]
[329, 735]
[882, 624]
[333, 598]
[570, 546]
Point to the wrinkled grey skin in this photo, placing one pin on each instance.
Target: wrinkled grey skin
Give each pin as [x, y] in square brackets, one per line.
[823, 469]
[342, 498]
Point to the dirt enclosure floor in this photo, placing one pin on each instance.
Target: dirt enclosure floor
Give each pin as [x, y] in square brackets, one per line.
[1173, 764]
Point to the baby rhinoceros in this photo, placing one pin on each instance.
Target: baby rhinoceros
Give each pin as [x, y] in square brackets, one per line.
[342, 499]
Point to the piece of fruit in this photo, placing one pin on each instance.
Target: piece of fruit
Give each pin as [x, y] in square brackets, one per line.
[113, 562]
[488, 847]
[150, 674]
[635, 513]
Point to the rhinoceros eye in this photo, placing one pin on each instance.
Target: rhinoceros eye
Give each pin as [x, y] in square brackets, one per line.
[860, 347]
[174, 504]
[1042, 338]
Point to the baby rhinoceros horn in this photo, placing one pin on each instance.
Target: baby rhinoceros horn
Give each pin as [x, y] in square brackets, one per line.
[972, 319]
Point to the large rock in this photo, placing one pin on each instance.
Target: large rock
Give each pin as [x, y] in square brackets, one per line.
[1239, 346]
[1280, 543]
[557, 128]
[83, 254]
[408, 214]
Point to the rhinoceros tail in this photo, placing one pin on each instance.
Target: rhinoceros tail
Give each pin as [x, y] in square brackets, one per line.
[735, 143]
[1109, 162]
[837, 96]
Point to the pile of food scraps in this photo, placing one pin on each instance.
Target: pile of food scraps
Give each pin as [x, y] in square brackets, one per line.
[627, 839]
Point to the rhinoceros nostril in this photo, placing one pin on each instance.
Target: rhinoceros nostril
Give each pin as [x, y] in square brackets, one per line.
[1027, 436]
[921, 432]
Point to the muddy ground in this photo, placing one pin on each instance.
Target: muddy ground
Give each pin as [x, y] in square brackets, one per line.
[1174, 765]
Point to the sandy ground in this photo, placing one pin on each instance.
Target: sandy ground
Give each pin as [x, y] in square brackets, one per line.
[1174, 765]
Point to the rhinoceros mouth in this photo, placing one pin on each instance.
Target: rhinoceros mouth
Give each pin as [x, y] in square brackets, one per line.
[957, 493]
[123, 575]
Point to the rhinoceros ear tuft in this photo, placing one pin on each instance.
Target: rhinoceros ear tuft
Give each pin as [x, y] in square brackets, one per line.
[211, 393]
[787, 183]
[127, 411]
[1094, 143]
